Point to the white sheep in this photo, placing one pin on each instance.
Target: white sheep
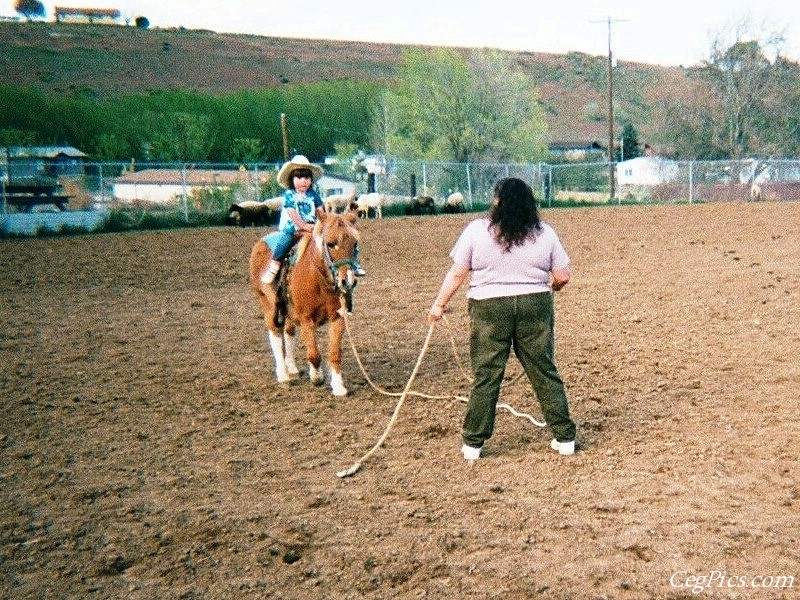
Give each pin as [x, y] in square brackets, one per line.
[250, 212]
[454, 203]
[420, 205]
[336, 203]
[275, 204]
[373, 200]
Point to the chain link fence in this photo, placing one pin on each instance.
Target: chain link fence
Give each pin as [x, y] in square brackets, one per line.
[198, 191]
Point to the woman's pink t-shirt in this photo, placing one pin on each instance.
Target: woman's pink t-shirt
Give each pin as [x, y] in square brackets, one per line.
[494, 272]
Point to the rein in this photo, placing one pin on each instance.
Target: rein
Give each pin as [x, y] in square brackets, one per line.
[332, 265]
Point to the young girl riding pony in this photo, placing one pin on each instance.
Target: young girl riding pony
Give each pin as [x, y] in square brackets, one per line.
[301, 207]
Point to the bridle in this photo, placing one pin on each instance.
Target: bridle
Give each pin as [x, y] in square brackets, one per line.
[342, 285]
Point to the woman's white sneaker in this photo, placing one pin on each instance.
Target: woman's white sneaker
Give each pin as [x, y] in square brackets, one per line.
[563, 448]
[470, 453]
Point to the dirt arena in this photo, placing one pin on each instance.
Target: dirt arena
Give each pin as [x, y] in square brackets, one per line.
[147, 452]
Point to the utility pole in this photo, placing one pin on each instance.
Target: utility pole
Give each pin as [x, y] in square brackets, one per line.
[285, 133]
[611, 174]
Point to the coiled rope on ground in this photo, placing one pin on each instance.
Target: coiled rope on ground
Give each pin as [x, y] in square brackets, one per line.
[353, 469]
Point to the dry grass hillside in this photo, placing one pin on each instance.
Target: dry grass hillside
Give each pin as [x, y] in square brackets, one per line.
[98, 59]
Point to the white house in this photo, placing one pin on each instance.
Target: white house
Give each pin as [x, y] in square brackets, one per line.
[646, 170]
[87, 15]
[164, 186]
[22, 162]
[333, 185]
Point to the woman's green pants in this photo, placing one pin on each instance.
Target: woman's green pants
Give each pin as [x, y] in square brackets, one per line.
[524, 323]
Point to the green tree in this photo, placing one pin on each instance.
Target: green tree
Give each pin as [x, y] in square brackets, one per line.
[108, 147]
[446, 107]
[630, 147]
[30, 8]
[780, 124]
[181, 136]
[740, 75]
[16, 137]
[247, 150]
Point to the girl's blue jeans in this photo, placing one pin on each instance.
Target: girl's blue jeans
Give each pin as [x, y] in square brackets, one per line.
[281, 242]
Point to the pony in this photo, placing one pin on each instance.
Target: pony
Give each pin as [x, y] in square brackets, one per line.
[309, 293]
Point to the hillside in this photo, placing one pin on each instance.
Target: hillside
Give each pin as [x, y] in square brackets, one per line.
[111, 60]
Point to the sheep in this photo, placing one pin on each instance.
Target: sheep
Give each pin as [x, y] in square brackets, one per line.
[336, 203]
[251, 212]
[275, 204]
[420, 205]
[373, 201]
[454, 203]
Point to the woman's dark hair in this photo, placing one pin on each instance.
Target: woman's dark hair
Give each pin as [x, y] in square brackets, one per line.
[514, 217]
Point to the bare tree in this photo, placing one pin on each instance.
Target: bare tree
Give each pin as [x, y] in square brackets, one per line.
[740, 72]
[729, 106]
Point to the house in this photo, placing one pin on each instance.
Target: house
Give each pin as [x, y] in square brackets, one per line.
[584, 151]
[646, 171]
[334, 185]
[164, 186]
[30, 162]
[71, 14]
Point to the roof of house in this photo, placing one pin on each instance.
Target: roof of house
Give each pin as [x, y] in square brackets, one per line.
[24, 152]
[194, 177]
[88, 12]
[563, 146]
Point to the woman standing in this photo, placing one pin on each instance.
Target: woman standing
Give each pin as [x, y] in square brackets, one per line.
[514, 261]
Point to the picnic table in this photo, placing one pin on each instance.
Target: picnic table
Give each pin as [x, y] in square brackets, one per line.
[29, 194]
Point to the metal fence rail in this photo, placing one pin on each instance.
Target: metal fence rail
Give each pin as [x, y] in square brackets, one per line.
[97, 185]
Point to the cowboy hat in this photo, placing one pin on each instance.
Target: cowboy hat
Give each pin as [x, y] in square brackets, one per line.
[297, 162]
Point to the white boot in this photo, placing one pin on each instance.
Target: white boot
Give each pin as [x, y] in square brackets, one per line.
[316, 375]
[272, 270]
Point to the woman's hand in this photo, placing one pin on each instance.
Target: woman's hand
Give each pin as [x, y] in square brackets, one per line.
[435, 313]
[560, 278]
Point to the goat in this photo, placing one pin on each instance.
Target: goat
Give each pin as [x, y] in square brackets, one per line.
[454, 203]
[373, 201]
[336, 203]
[420, 205]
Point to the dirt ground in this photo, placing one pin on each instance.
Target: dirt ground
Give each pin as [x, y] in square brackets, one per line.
[146, 450]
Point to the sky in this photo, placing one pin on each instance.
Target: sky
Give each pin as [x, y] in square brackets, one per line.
[668, 33]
